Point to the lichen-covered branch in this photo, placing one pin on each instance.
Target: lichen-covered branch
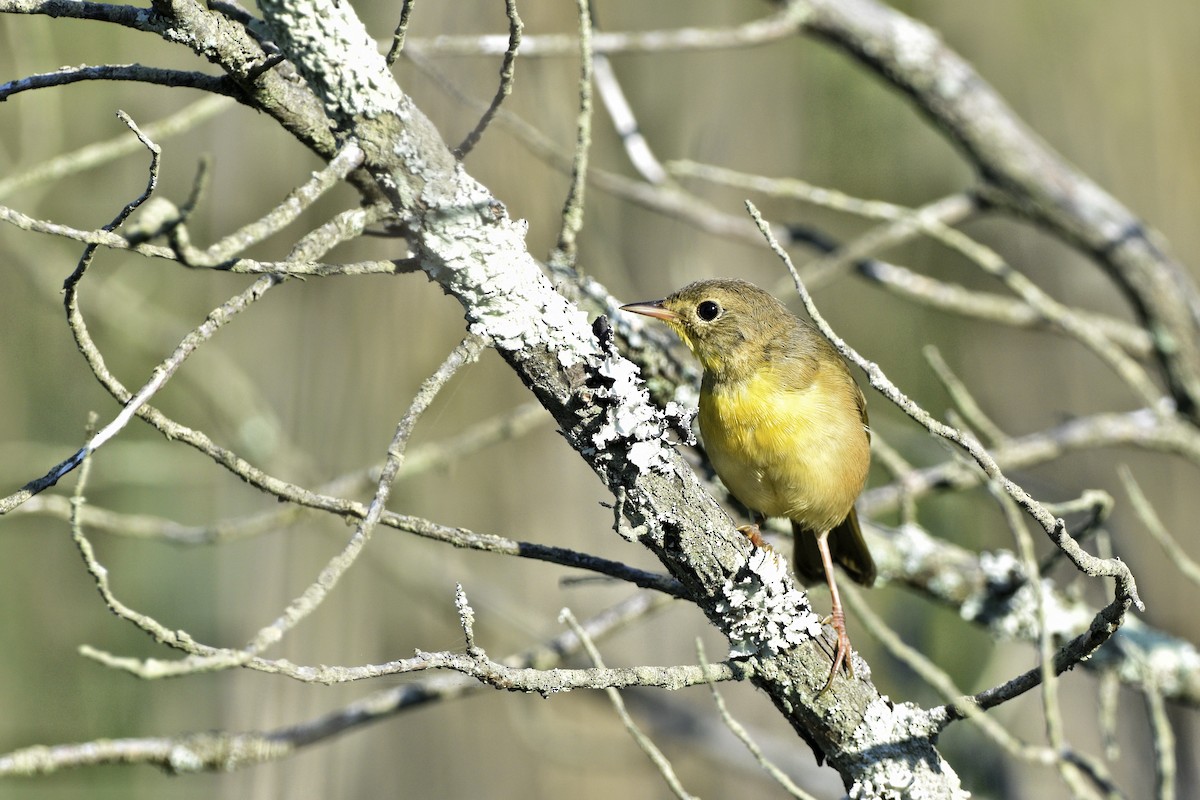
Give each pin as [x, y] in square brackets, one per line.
[466, 242]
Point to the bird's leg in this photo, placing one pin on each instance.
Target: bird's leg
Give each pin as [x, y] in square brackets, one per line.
[837, 617]
[753, 533]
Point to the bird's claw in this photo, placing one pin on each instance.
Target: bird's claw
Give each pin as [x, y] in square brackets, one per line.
[755, 536]
[842, 655]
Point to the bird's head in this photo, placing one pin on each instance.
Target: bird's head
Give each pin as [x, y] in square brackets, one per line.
[724, 322]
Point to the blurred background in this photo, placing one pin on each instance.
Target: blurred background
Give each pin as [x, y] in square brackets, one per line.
[309, 384]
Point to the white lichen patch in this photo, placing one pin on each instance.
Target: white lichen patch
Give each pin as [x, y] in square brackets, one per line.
[629, 415]
[923, 555]
[761, 610]
[681, 417]
[327, 39]
[483, 262]
[889, 739]
[1016, 617]
[1152, 657]
[687, 397]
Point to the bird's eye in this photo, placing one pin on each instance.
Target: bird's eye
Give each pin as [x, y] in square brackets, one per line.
[708, 310]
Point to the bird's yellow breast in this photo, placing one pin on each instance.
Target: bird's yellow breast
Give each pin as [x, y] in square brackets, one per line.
[788, 452]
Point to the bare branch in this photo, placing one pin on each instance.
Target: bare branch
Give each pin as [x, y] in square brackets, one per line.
[1142, 429]
[420, 460]
[935, 220]
[120, 72]
[625, 123]
[963, 400]
[104, 152]
[127, 16]
[1165, 768]
[564, 253]
[348, 159]
[992, 307]
[667, 198]
[311, 67]
[245, 266]
[738, 730]
[660, 761]
[1145, 511]
[401, 32]
[1023, 174]
[225, 751]
[780, 25]
[465, 353]
[515, 27]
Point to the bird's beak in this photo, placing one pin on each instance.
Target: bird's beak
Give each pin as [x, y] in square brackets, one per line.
[653, 308]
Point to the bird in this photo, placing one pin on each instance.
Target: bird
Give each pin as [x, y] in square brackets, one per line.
[784, 425]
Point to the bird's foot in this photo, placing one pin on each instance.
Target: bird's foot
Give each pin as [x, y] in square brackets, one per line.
[842, 655]
[755, 536]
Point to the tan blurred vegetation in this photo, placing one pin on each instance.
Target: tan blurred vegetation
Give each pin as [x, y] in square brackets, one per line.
[310, 384]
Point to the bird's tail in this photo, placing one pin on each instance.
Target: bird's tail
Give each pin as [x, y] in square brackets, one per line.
[846, 546]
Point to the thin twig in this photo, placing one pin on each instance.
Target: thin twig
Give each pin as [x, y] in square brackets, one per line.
[964, 401]
[901, 471]
[780, 25]
[965, 706]
[466, 352]
[1149, 517]
[1051, 710]
[344, 226]
[299, 496]
[1107, 704]
[973, 708]
[667, 199]
[246, 266]
[134, 404]
[1026, 177]
[1163, 737]
[1097, 504]
[474, 662]
[220, 253]
[743, 735]
[1141, 428]
[935, 220]
[420, 460]
[507, 70]
[64, 76]
[401, 31]
[105, 152]
[70, 287]
[564, 253]
[903, 225]
[99, 573]
[223, 751]
[641, 156]
[990, 307]
[648, 747]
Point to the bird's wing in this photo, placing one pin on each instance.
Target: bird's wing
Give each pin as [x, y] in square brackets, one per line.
[862, 409]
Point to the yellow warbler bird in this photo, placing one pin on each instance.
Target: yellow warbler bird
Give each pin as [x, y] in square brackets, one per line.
[784, 425]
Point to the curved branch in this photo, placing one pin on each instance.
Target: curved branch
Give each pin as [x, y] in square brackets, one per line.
[127, 16]
[1023, 174]
[212, 84]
